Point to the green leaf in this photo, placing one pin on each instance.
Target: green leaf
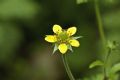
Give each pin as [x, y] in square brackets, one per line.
[115, 69]
[94, 77]
[96, 63]
[55, 48]
[81, 1]
[113, 45]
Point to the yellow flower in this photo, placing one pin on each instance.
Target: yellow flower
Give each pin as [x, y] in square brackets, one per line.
[51, 38]
[63, 48]
[74, 43]
[57, 29]
[71, 31]
[63, 39]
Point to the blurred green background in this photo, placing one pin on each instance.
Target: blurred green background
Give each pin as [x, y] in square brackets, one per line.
[25, 55]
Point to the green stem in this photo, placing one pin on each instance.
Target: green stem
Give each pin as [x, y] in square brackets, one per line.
[64, 58]
[101, 31]
[105, 62]
[99, 20]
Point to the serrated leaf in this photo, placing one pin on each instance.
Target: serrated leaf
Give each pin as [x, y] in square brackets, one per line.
[81, 1]
[96, 63]
[77, 37]
[115, 69]
[55, 48]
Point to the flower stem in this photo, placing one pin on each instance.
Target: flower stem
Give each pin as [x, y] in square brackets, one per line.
[64, 58]
[101, 31]
[99, 20]
[105, 62]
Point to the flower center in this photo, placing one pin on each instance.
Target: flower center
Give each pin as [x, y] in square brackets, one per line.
[63, 36]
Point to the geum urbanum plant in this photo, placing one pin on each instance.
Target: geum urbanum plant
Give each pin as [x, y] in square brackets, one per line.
[108, 73]
[63, 40]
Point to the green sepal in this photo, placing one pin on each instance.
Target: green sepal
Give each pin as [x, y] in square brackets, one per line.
[55, 48]
[96, 63]
[70, 48]
[77, 37]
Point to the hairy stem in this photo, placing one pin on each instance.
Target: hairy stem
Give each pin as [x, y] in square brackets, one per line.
[64, 58]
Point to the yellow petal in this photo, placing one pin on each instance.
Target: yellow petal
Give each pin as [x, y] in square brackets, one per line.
[74, 43]
[63, 48]
[57, 29]
[51, 38]
[71, 31]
